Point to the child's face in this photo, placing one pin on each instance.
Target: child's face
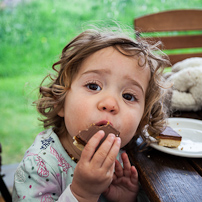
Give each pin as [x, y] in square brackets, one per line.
[109, 87]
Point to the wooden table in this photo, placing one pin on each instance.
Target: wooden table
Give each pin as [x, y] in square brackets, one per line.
[169, 178]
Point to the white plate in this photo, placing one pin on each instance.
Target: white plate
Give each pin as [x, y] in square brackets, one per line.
[191, 132]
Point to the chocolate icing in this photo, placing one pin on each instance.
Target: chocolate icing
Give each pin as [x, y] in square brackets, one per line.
[169, 133]
[84, 136]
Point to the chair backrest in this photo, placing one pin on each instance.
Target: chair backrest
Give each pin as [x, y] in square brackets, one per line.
[181, 29]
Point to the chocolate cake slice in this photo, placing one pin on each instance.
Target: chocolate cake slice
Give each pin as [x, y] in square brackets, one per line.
[84, 136]
[169, 138]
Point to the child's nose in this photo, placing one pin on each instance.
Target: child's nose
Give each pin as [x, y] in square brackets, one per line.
[109, 104]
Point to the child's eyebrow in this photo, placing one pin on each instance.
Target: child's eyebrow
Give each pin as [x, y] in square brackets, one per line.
[135, 83]
[97, 71]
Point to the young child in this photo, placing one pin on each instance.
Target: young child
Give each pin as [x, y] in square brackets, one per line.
[103, 77]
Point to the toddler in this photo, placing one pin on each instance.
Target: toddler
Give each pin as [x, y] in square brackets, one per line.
[103, 76]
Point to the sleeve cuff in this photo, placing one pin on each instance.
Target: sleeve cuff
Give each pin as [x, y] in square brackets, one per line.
[67, 196]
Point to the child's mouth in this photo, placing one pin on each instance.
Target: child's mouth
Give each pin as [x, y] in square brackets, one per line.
[104, 122]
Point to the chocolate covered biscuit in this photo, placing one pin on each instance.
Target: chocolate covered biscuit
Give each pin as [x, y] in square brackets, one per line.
[84, 136]
[169, 138]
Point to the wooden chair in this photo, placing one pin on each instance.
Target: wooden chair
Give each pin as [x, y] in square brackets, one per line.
[3, 188]
[188, 24]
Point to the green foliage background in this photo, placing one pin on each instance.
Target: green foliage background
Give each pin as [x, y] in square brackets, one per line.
[32, 35]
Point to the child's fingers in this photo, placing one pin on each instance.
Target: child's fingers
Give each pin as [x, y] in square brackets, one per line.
[108, 150]
[126, 165]
[91, 146]
[118, 169]
[134, 175]
[113, 152]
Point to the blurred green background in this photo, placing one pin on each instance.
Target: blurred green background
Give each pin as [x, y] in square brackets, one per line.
[32, 35]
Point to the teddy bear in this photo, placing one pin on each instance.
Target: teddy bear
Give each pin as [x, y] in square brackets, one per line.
[186, 81]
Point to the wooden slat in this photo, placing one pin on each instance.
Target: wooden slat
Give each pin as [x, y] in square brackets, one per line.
[197, 164]
[180, 57]
[170, 21]
[167, 178]
[174, 20]
[188, 114]
[177, 42]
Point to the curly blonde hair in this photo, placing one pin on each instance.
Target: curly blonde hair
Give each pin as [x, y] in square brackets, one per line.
[52, 96]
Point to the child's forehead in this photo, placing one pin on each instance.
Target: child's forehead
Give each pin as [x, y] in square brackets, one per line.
[110, 53]
[110, 58]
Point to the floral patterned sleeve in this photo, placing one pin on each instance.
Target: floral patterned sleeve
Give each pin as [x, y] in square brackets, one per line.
[35, 180]
[45, 172]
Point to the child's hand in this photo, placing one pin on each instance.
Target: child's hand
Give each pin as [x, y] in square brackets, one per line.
[94, 171]
[124, 186]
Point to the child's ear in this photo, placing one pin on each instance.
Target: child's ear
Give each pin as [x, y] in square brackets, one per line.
[61, 112]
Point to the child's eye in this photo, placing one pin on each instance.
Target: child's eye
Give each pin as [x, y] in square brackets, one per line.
[93, 86]
[129, 97]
